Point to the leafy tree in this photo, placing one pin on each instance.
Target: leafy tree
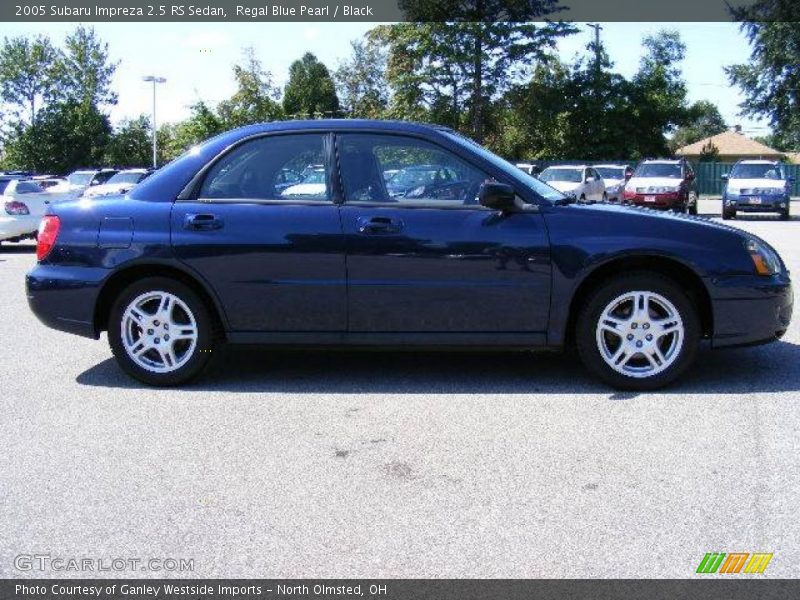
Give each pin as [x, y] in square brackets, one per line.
[131, 144]
[85, 70]
[201, 125]
[27, 73]
[68, 135]
[456, 66]
[709, 152]
[703, 120]
[256, 97]
[361, 81]
[310, 91]
[658, 93]
[771, 80]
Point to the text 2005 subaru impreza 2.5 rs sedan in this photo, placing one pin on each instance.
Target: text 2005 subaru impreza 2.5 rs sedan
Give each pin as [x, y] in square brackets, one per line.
[213, 249]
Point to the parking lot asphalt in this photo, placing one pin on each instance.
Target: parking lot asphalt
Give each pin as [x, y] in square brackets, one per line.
[349, 464]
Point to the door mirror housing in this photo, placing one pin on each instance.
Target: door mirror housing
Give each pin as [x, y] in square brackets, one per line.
[689, 176]
[497, 196]
[724, 177]
[589, 179]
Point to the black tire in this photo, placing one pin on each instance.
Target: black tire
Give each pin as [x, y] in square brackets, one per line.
[206, 337]
[600, 298]
[785, 215]
[728, 214]
[582, 198]
[605, 197]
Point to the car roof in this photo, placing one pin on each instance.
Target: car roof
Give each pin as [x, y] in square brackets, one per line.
[341, 124]
[615, 166]
[663, 161]
[567, 167]
[136, 170]
[754, 161]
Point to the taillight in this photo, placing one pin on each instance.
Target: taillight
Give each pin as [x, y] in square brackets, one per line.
[46, 237]
[17, 208]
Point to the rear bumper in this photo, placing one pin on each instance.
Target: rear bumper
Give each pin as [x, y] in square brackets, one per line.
[659, 201]
[750, 310]
[64, 298]
[18, 226]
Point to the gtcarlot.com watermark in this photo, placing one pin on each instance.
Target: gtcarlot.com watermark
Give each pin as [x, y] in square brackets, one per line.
[81, 564]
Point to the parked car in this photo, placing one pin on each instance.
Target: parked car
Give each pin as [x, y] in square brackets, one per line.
[24, 203]
[312, 184]
[615, 177]
[419, 180]
[187, 261]
[757, 186]
[664, 184]
[79, 181]
[121, 182]
[576, 181]
[48, 181]
[531, 169]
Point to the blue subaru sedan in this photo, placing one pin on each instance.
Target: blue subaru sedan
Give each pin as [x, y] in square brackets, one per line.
[215, 248]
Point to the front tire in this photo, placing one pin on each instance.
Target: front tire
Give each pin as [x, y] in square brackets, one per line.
[728, 214]
[638, 332]
[161, 332]
[692, 202]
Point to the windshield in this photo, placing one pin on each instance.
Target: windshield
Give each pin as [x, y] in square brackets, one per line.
[80, 178]
[611, 172]
[570, 175]
[672, 170]
[756, 171]
[126, 178]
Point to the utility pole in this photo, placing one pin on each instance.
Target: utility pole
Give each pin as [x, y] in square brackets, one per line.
[155, 80]
[597, 27]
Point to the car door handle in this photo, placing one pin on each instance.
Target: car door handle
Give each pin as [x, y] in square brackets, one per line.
[371, 225]
[202, 222]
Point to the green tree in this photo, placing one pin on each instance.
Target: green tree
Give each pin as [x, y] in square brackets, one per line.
[771, 79]
[203, 123]
[310, 91]
[131, 144]
[68, 136]
[658, 93]
[452, 67]
[28, 73]
[361, 81]
[709, 152]
[256, 97]
[703, 120]
[85, 70]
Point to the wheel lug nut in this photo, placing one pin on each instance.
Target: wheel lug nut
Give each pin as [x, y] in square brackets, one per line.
[649, 338]
[630, 337]
[158, 341]
[149, 332]
[646, 326]
[155, 323]
[166, 338]
[634, 325]
[639, 344]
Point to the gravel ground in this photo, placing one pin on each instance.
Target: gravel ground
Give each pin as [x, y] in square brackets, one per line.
[396, 465]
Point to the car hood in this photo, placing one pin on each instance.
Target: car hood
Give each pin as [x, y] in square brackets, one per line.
[564, 186]
[108, 189]
[762, 184]
[646, 182]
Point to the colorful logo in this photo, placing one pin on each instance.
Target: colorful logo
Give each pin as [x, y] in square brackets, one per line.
[734, 562]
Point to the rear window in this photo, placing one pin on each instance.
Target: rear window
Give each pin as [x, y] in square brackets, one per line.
[756, 171]
[28, 187]
[659, 170]
[3, 185]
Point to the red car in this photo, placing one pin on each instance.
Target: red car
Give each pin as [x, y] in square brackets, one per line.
[665, 184]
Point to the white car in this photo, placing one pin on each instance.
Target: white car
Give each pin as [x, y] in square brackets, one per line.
[79, 181]
[615, 178]
[312, 186]
[120, 183]
[23, 203]
[577, 181]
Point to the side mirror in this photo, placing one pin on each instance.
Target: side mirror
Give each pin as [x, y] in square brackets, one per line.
[790, 179]
[724, 177]
[589, 179]
[689, 176]
[497, 196]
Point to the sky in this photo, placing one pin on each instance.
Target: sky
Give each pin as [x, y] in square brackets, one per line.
[196, 58]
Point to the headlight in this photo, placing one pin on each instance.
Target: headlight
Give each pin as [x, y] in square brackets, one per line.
[734, 191]
[764, 259]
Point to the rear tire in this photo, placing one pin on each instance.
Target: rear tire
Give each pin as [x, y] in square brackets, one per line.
[638, 331]
[161, 332]
[728, 214]
[785, 215]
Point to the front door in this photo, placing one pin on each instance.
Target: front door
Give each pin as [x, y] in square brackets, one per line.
[423, 257]
[264, 232]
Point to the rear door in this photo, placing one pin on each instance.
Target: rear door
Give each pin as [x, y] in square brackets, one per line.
[272, 250]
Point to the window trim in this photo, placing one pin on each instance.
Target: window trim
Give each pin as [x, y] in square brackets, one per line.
[397, 204]
[191, 192]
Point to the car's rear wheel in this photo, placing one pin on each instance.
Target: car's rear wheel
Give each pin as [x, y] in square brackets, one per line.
[785, 214]
[692, 202]
[728, 214]
[638, 332]
[161, 332]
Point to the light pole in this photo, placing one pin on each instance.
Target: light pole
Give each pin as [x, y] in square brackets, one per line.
[155, 80]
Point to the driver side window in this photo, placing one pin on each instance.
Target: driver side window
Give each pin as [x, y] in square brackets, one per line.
[406, 171]
[279, 167]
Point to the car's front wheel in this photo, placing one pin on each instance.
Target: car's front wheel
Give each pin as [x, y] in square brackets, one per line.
[692, 202]
[161, 332]
[638, 332]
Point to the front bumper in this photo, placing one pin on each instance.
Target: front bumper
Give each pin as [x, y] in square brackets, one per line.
[749, 309]
[659, 201]
[65, 298]
[755, 203]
